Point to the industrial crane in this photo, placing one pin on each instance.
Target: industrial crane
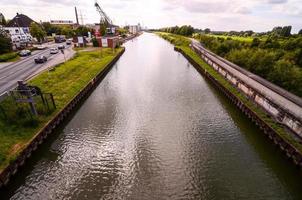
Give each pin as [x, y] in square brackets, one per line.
[105, 20]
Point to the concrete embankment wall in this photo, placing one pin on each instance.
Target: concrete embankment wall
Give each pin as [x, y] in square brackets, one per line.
[291, 119]
[290, 150]
[52, 124]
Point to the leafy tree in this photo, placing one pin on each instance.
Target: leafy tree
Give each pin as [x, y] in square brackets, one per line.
[82, 31]
[207, 31]
[256, 42]
[68, 31]
[37, 31]
[277, 30]
[103, 29]
[122, 32]
[300, 32]
[286, 31]
[286, 74]
[5, 42]
[50, 28]
[2, 20]
[282, 31]
[95, 42]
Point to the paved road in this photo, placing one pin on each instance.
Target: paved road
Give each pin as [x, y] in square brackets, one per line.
[27, 68]
[286, 100]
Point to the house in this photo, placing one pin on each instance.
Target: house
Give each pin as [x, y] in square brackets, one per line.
[18, 28]
[20, 21]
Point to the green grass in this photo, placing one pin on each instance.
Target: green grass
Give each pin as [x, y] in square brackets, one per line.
[241, 39]
[64, 82]
[9, 57]
[182, 44]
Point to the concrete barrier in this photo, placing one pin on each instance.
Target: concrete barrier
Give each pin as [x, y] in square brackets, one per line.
[289, 150]
[287, 110]
[38, 139]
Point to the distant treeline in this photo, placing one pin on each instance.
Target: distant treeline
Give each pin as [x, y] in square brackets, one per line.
[276, 56]
[188, 30]
[183, 30]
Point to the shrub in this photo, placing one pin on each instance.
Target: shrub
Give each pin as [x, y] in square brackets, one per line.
[95, 42]
[8, 56]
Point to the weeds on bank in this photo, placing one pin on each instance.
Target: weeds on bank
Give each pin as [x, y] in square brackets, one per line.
[183, 43]
[18, 126]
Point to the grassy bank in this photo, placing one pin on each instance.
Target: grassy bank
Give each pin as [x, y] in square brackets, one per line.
[183, 43]
[17, 126]
[241, 39]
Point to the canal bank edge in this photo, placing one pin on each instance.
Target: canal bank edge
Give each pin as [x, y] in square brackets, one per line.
[51, 125]
[285, 146]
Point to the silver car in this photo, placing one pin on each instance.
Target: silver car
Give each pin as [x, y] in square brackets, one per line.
[54, 50]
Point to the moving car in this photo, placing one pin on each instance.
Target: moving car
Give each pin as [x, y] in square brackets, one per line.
[41, 47]
[25, 53]
[68, 42]
[40, 59]
[54, 50]
[61, 46]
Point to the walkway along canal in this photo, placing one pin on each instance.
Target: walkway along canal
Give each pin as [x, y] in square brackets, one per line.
[156, 129]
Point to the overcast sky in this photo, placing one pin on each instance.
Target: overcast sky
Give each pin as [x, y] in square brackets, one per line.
[258, 15]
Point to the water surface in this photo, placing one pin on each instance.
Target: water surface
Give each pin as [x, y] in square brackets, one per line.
[156, 129]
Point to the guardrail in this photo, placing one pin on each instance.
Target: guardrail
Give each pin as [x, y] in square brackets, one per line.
[283, 106]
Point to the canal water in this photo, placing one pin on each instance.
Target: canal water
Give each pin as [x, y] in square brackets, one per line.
[156, 129]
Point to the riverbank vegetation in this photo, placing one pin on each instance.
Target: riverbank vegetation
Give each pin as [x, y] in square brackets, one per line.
[18, 126]
[183, 44]
[275, 55]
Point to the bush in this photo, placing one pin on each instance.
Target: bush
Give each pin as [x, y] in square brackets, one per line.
[95, 42]
[5, 44]
[8, 56]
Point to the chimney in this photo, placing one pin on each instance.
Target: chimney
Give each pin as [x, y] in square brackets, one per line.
[76, 13]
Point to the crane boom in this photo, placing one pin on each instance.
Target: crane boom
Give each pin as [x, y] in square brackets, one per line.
[104, 16]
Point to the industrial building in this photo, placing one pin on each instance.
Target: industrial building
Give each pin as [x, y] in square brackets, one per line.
[134, 29]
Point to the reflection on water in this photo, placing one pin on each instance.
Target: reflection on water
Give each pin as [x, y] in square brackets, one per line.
[155, 129]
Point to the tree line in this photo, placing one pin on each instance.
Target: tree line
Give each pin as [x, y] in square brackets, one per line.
[275, 56]
[183, 30]
[40, 31]
[277, 61]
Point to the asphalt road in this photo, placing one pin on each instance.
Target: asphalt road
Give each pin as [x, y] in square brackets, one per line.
[286, 100]
[27, 68]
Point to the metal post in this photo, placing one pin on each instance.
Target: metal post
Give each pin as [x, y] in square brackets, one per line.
[53, 101]
[32, 106]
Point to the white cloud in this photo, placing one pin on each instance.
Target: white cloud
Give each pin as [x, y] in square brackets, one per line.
[259, 15]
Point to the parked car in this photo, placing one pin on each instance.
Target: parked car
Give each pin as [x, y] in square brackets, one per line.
[54, 50]
[40, 59]
[68, 42]
[61, 46]
[25, 53]
[41, 47]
